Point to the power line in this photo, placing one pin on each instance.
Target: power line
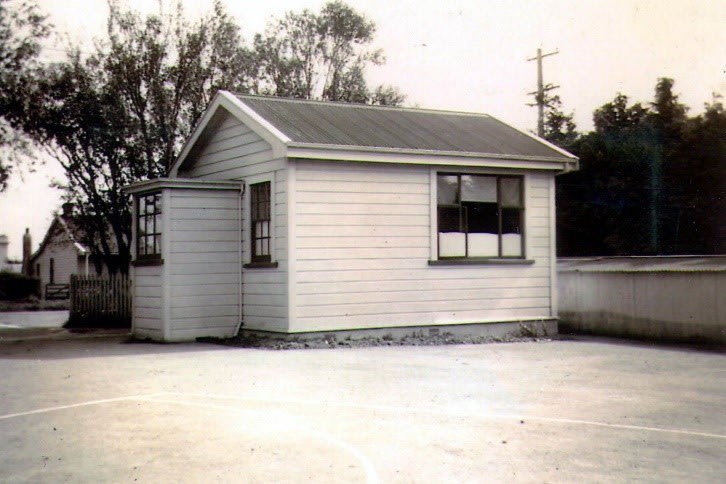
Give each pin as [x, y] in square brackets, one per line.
[539, 94]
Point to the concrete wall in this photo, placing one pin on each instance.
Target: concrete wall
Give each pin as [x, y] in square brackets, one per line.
[670, 298]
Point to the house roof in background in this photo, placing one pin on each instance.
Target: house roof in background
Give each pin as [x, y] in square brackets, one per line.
[66, 228]
[319, 123]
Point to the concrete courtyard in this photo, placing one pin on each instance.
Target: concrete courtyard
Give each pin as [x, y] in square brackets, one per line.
[104, 409]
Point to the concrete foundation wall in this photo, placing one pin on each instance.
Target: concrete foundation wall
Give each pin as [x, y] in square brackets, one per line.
[659, 303]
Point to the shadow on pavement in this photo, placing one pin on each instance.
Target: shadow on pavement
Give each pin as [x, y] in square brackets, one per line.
[90, 344]
[700, 346]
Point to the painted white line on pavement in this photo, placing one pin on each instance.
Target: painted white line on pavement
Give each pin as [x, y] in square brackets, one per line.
[457, 413]
[76, 405]
[370, 471]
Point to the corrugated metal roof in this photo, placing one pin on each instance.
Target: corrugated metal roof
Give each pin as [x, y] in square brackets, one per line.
[643, 264]
[356, 125]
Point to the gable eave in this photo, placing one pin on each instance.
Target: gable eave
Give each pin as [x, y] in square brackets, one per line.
[58, 221]
[243, 113]
[429, 157]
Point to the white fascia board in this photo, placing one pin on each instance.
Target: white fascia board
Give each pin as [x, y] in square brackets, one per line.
[80, 248]
[277, 139]
[159, 183]
[572, 166]
[420, 157]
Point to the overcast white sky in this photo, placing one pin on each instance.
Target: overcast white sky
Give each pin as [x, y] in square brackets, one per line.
[466, 55]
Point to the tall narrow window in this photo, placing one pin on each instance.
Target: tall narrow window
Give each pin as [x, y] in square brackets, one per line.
[148, 226]
[480, 216]
[51, 272]
[260, 237]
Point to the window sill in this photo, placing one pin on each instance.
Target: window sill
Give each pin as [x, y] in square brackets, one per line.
[480, 261]
[260, 265]
[147, 262]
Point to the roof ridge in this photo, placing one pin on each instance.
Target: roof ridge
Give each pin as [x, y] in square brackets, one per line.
[352, 105]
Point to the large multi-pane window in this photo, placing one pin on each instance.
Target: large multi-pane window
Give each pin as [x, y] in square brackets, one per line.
[480, 216]
[260, 236]
[148, 226]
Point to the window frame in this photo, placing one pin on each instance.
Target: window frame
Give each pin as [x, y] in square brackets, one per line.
[255, 203]
[499, 258]
[157, 232]
[265, 261]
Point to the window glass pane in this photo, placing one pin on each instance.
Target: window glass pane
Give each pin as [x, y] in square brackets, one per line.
[449, 219]
[157, 219]
[478, 188]
[148, 225]
[142, 246]
[511, 221]
[150, 206]
[150, 244]
[511, 192]
[447, 188]
[511, 245]
[452, 244]
[483, 245]
[482, 218]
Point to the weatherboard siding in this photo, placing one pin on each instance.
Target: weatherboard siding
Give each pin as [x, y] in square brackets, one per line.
[363, 243]
[203, 263]
[148, 302]
[234, 152]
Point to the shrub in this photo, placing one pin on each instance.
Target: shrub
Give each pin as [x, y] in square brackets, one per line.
[15, 287]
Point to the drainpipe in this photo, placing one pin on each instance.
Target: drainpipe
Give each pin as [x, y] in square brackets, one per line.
[240, 208]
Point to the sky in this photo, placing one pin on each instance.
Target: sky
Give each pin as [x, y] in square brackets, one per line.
[465, 55]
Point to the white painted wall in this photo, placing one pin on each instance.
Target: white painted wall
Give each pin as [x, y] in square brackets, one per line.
[203, 263]
[363, 239]
[147, 320]
[234, 152]
[4, 252]
[65, 262]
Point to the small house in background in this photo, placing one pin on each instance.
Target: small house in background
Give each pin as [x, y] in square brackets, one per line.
[60, 255]
[300, 217]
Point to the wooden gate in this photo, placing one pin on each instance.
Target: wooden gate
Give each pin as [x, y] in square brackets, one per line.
[100, 301]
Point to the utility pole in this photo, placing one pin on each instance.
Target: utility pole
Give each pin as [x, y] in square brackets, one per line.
[539, 94]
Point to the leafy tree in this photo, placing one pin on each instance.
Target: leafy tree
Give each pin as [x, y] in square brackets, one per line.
[22, 27]
[696, 179]
[651, 181]
[560, 128]
[320, 56]
[121, 114]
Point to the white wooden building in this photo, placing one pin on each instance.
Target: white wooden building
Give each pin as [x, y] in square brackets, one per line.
[299, 217]
[60, 255]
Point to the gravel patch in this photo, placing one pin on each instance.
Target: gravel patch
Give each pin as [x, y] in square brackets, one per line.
[272, 343]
